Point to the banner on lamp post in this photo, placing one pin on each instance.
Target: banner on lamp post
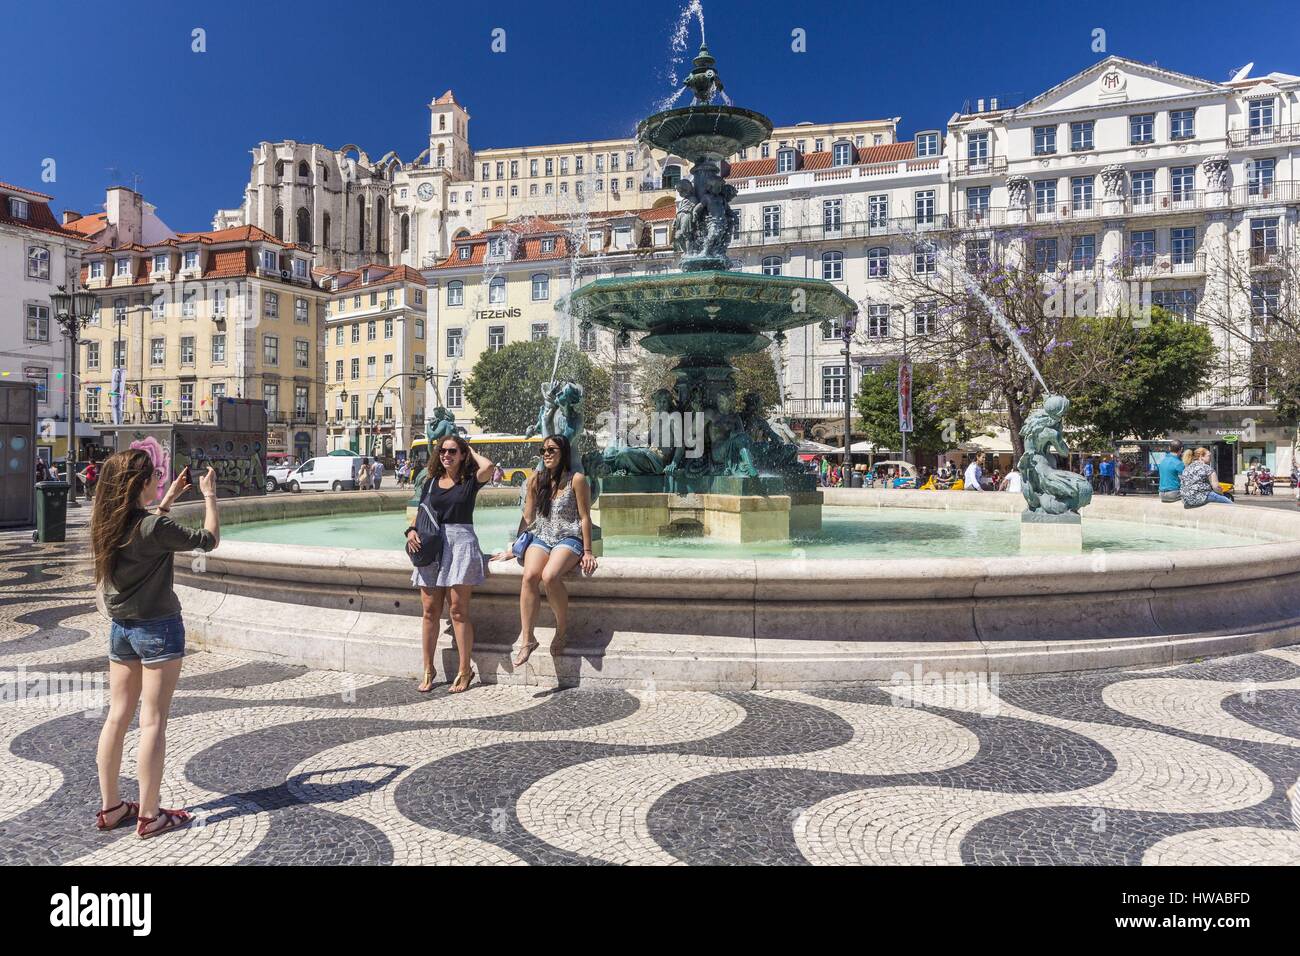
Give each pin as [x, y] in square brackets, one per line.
[117, 395]
[904, 396]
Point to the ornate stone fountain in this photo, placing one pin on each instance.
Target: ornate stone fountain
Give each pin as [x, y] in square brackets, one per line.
[743, 481]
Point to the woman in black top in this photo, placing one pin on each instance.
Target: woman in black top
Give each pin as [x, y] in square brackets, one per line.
[456, 473]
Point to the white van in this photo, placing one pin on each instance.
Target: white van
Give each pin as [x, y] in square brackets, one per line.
[327, 473]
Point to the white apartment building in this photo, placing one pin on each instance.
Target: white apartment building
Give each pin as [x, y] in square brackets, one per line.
[37, 255]
[1142, 180]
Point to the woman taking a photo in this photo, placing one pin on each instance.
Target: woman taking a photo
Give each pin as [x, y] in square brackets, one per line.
[132, 551]
[558, 509]
[455, 475]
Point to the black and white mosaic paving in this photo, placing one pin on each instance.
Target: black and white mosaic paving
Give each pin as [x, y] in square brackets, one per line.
[1191, 764]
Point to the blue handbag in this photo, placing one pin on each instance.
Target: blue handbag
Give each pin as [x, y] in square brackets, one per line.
[521, 545]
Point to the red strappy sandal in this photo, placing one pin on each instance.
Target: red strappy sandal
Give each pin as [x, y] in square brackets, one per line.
[175, 820]
[101, 816]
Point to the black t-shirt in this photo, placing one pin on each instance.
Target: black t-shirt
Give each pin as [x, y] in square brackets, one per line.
[454, 505]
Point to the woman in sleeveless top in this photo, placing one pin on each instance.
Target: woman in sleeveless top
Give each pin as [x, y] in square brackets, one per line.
[558, 508]
[456, 473]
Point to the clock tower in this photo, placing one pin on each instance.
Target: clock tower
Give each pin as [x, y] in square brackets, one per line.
[449, 137]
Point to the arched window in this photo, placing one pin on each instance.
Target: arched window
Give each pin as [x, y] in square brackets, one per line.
[304, 226]
[279, 170]
[541, 287]
[878, 263]
[497, 291]
[279, 223]
[325, 230]
[672, 173]
[442, 156]
[304, 171]
[456, 293]
[833, 266]
[361, 223]
[842, 154]
[442, 121]
[379, 227]
[406, 233]
[772, 266]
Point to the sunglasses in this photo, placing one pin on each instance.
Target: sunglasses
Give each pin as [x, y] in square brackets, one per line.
[448, 451]
[550, 451]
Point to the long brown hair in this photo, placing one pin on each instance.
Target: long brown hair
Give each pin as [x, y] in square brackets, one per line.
[438, 471]
[117, 506]
[547, 482]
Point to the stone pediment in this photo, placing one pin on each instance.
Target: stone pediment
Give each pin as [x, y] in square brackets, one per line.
[1115, 80]
[1261, 91]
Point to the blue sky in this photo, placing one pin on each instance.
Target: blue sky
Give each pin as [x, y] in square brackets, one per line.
[111, 91]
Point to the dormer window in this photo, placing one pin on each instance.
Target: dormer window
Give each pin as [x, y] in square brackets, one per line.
[927, 144]
[463, 251]
[269, 262]
[497, 246]
[595, 239]
[300, 268]
[192, 259]
[97, 270]
[17, 207]
[785, 160]
[160, 263]
[842, 154]
[122, 267]
[548, 245]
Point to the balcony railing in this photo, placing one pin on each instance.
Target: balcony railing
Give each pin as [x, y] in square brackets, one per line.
[1263, 135]
[1231, 396]
[852, 229]
[1155, 266]
[978, 218]
[813, 408]
[1064, 211]
[1158, 203]
[1285, 191]
[987, 166]
[1265, 257]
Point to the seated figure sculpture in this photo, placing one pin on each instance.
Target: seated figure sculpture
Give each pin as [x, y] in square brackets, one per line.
[560, 415]
[1047, 489]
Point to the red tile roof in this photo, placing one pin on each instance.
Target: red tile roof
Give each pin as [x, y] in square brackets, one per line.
[25, 191]
[865, 156]
[379, 275]
[39, 217]
[226, 263]
[88, 225]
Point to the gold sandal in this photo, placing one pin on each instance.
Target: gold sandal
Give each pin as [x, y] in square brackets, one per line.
[462, 682]
[426, 685]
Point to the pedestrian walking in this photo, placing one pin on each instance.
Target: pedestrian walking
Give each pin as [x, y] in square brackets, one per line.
[132, 550]
[377, 474]
[456, 474]
[363, 476]
[89, 476]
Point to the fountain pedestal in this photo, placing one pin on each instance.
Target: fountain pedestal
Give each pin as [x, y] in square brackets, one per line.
[1042, 533]
[737, 518]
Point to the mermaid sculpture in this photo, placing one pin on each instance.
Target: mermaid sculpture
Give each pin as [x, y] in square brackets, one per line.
[440, 424]
[1047, 489]
[560, 415]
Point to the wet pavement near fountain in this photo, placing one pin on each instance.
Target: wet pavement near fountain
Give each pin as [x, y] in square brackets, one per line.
[1182, 764]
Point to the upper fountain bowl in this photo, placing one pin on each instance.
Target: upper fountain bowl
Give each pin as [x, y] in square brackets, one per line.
[705, 132]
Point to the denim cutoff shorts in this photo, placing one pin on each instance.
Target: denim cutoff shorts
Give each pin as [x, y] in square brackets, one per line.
[572, 543]
[150, 642]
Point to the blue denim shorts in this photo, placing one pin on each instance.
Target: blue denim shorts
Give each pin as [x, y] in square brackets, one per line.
[150, 642]
[573, 544]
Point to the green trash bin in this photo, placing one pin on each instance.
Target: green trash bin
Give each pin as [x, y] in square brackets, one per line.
[51, 511]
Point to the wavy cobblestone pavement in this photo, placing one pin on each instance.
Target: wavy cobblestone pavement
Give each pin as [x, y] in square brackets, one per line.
[1188, 764]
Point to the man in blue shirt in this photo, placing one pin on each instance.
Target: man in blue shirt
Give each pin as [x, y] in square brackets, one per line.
[1107, 471]
[1171, 472]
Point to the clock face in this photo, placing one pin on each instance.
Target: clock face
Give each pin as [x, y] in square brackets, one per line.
[425, 191]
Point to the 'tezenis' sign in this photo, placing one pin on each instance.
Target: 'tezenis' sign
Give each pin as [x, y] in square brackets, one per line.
[498, 314]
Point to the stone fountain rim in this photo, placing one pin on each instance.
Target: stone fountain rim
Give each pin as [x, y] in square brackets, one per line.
[645, 134]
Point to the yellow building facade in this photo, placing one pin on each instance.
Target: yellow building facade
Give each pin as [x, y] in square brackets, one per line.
[201, 317]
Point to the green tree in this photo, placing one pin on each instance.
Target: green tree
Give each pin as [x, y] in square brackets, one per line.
[505, 387]
[937, 422]
[1159, 367]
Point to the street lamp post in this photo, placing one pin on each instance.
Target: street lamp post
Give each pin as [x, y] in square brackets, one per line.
[903, 322]
[375, 440]
[72, 310]
[846, 336]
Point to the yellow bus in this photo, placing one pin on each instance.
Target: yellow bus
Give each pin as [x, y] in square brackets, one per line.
[516, 455]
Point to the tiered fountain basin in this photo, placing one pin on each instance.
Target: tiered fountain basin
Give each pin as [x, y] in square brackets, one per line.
[775, 615]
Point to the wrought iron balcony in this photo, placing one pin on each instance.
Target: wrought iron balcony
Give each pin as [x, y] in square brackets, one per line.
[1263, 135]
[1285, 191]
[1166, 202]
[1232, 396]
[850, 229]
[986, 166]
